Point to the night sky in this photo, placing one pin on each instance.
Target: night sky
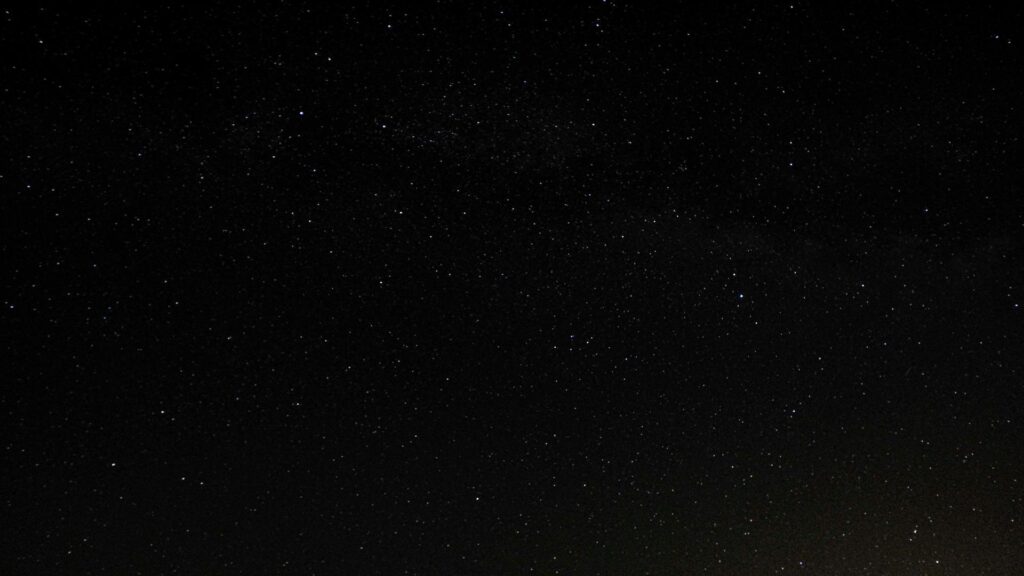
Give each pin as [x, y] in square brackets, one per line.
[597, 289]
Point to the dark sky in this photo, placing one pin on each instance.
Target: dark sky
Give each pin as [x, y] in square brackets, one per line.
[494, 289]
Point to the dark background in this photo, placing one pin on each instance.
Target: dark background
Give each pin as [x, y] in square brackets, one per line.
[512, 288]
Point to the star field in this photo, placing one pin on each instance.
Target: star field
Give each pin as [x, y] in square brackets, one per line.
[599, 288]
